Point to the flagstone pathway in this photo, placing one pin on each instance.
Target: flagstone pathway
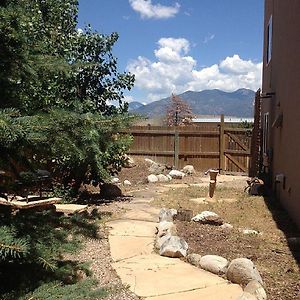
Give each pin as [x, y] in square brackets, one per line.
[151, 276]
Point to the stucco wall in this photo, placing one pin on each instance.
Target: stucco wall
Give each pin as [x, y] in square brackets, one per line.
[282, 77]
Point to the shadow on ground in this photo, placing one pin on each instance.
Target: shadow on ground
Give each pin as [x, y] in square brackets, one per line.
[286, 225]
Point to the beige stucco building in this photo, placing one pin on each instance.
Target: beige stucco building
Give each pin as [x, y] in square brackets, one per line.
[280, 116]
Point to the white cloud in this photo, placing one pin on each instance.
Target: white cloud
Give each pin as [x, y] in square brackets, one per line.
[175, 71]
[147, 10]
[128, 98]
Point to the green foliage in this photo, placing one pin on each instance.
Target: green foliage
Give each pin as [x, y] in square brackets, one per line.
[56, 84]
[32, 245]
[55, 290]
[11, 247]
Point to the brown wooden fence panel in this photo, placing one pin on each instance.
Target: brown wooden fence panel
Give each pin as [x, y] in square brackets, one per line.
[197, 145]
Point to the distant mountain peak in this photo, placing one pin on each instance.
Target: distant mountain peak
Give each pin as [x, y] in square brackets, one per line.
[207, 102]
[134, 105]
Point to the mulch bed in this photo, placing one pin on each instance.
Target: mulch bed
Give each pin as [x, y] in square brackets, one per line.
[275, 262]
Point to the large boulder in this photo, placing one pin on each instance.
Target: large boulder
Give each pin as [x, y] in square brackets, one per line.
[194, 259]
[256, 289]
[166, 227]
[208, 217]
[189, 170]
[156, 169]
[159, 241]
[115, 180]
[149, 161]
[166, 214]
[175, 174]
[129, 162]
[242, 271]
[174, 247]
[110, 191]
[152, 178]
[162, 178]
[214, 264]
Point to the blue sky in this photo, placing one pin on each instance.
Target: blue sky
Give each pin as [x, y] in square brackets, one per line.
[174, 46]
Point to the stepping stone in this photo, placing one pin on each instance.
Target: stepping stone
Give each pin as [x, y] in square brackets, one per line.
[218, 292]
[201, 200]
[70, 208]
[142, 215]
[132, 228]
[154, 275]
[122, 247]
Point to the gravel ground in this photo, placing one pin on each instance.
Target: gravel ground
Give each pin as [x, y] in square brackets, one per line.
[96, 251]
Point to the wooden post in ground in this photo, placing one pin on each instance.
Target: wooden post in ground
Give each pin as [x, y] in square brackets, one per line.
[222, 145]
[176, 148]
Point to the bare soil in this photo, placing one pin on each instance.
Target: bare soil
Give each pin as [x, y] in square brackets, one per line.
[277, 262]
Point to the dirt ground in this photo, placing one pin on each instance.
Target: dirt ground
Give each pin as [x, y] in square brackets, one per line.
[277, 261]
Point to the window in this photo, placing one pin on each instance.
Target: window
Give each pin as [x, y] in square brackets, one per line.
[269, 41]
[266, 133]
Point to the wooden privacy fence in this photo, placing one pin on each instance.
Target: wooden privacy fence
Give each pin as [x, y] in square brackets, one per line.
[204, 147]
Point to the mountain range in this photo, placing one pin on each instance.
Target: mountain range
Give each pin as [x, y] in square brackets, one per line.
[206, 102]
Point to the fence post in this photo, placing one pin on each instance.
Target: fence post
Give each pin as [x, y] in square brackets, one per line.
[176, 148]
[222, 145]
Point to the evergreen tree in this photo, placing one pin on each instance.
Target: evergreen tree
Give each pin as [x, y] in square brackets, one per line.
[59, 82]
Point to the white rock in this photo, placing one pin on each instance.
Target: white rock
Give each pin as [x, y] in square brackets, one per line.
[242, 271]
[167, 215]
[173, 212]
[256, 289]
[166, 227]
[174, 247]
[149, 161]
[250, 232]
[169, 176]
[160, 240]
[246, 296]
[152, 178]
[194, 259]
[129, 162]
[162, 178]
[214, 264]
[208, 217]
[127, 182]
[156, 169]
[115, 180]
[227, 226]
[189, 170]
[175, 174]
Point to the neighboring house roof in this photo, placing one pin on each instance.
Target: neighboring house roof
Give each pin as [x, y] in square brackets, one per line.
[226, 120]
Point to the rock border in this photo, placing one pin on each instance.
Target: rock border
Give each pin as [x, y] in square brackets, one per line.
[240, 271]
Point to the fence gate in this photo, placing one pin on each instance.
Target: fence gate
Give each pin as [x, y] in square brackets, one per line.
[237, 145]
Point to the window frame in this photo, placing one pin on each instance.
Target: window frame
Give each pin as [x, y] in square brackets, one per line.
[266, 130]
[269, 40]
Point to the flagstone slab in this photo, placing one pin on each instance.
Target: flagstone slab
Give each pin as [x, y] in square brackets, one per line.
[132, 228]
[70, 208]
[219, 292]
[141, 215]
[154, 275]
[142, 212]
[123, 247]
